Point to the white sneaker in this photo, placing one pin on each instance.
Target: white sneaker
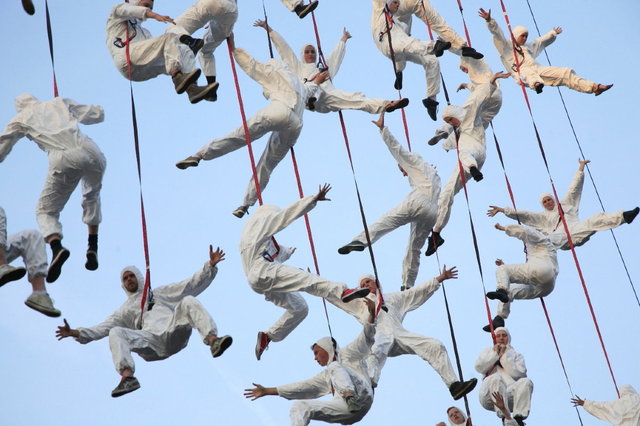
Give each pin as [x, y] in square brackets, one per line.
[10, 273]
[42, 303]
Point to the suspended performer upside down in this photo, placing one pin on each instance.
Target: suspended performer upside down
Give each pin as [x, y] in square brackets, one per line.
[162, 330]
[419, 208]
[326, 98]
[171, 53]
[531, 73]
[73, 157]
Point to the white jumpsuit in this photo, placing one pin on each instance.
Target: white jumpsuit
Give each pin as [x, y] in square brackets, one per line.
[282, 117]
[150, 56]
[329, 99]
[392, 339]
[73, 156]
[474, 116]
[166, 327]
[536, 277]
[405, 48]
[427, 13]
[508, 375]
[531, 72]
[276, 281]
[26, 244]
[219, 16]
[347, 374]
[624, 411]
[420, 208]
[549, 222]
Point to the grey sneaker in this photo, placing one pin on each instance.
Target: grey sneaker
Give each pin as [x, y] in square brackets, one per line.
[42, 303]
[198, 93]
[126, 385]
[240, 211]
[190, 161]
[183, 81]
[220, 345]
[10, 273]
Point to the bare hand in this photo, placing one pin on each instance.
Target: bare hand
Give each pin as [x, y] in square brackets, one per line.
[582, 164]
[322, 192]
[448, 274]
[500, 348]
[215, 257]
[499, 262]
[346, 35]
[498, 400]
[499, 227]
[462, 86]
[258, 392]
[159, 18]
[321, 77]
[484, 14]
[577, 401]
[500, 74]
[66, 331]
[558, 30]
[262, 24]
[380, 122]
[494, 210]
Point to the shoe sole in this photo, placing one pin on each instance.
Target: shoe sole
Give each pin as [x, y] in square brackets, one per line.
[349, 248]
[310, 8]
[92, 261]
[239, 213]
[14, 275]
[43, 309]
[358, 294]
[182, 165]
[182, 87]
[471, 384]
[225, 342]
[204, 94]
[55, 268]
[124, 392]
[494, 295]
[401, 104]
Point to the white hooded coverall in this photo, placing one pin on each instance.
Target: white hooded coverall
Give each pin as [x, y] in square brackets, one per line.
[392, 339]
[624, 411]
[150, 56]
[282, 117]
[26, 244]
[405, 48]
[549, 222]
[73, 156]
[347, 374]
[276, 281]
[329, 99]
[536, 277]
[474, 115]
[219, 16]
[166, 327]
[428, 14]
[506, 374]
[419, 208]
[531, 72]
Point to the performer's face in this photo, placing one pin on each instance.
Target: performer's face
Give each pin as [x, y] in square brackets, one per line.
[309, 54]
[455, 416]
[130, 281]
[453, 121]
[548, 203]
[502, 337]
[522, 39]
[370, 284]
[394, 6]
[320, 355]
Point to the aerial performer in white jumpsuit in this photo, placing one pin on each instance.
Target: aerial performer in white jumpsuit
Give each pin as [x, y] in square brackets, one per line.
[549, 221]
[73, 156]
[530, 280]
[532, 74]
[261, 260]
[392, 339]
[469, 123]
[218, 16]
[385, 26]
[282, 118]
[326, 98]
[430, 16]
[30, 246]
[458, 418]
[299, 7]
[419, 208]
[624, 411]
[505, 372]
[171, 53]
[165, 327]
[345, 377]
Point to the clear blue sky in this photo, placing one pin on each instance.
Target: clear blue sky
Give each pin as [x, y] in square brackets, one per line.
[64, 383]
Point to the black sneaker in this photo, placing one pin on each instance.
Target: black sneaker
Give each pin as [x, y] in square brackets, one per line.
[500, 294]
[476, 174]
[398, 83]
[432, 107]
[126, 385]
[629, 215]
[538, 88]
[92, 260]
[213, 95]
[183, 81]
[240, 211]
[303, 10]
[219, 345]
[497, 321]
[190, 161]
[439, 47]
[354, 293]
[437, 138]
[195, 44]
[519, 420]
[435, 241]
[352, 246]
[471, 53]
[460, 389]
[55, 267]
[397, 105]
[311, 103]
